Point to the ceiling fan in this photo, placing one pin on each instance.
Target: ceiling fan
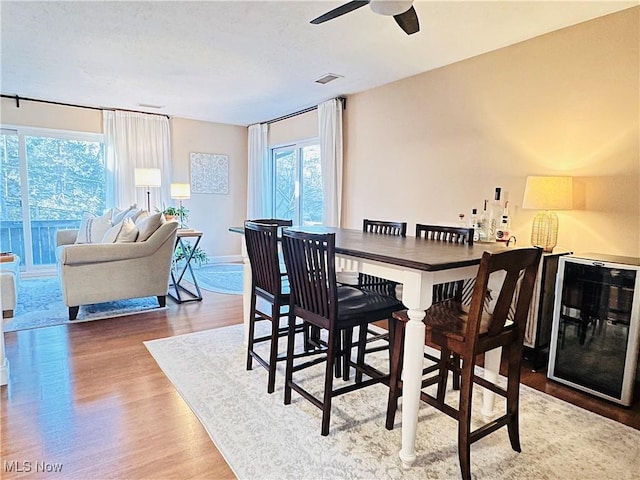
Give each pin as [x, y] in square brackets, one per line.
[403, 12]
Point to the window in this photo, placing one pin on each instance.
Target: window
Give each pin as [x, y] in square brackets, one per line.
[298, 183]
[49, 178]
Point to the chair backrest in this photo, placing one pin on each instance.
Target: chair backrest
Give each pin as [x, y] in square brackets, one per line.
[445, 234]
[262, 249]
[273, 221]
[310, 261]
[384, 227]
[520, 267]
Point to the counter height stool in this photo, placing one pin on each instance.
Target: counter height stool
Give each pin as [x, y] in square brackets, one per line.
[467, 334]
[317, 299]
[269, 284]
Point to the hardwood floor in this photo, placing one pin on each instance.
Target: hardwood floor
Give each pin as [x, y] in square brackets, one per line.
[90, 398]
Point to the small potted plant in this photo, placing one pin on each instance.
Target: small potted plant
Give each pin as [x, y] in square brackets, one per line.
[178, 213]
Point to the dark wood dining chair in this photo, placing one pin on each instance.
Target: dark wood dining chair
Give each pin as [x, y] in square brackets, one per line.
[317, 299]
[441, 233]
[447, 234]
[472, 333]
[270, 284]
[381, 227]
[274, 221]
[376, 284]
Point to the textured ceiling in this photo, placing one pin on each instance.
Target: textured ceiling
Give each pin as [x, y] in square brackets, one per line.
[243, 62]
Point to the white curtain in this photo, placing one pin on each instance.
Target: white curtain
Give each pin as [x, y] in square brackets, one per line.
[136, 140]
[330, 129]
[260, 175]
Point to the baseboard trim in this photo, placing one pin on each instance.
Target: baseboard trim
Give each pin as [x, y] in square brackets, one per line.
[4, 372]
[225, 259]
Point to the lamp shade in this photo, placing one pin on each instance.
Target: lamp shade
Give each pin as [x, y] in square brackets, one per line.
[545, 194]
[148, 177]
[548, 193]
[180, 191]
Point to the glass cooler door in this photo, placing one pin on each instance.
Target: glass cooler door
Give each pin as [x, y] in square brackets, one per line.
[595, 336]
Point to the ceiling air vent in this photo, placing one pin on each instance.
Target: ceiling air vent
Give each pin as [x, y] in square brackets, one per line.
[329, 77]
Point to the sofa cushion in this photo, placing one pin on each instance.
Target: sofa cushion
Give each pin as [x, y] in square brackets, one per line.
[147, 225]
[118, 215]
[125, 231]
[92, 228]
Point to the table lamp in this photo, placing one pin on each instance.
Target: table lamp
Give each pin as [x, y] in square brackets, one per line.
[181, 191]
[148, 177]
[547, 194]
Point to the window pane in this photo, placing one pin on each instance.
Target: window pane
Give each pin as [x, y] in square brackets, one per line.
[285, 184]
[66, 178]
[311, 195]
[11, 233]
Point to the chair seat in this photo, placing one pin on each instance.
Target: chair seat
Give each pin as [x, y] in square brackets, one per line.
[450, 318]
[354, 304]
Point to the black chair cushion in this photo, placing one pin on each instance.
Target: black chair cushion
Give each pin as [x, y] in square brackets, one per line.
[354, 304]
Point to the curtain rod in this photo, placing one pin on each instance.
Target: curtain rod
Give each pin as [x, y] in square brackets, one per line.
[306, 110]
[51, 102]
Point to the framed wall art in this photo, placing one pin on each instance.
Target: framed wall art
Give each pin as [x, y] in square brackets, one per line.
[209, 173]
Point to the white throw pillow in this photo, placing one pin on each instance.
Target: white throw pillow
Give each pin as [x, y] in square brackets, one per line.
[148, 225]
[119, 215]
[92, 228]
[134, 214]
[128, 233]
[124, 232]
[112, 234]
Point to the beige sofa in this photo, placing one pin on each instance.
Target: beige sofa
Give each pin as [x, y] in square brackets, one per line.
[105, 272]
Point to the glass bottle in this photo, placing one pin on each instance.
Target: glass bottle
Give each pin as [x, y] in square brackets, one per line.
[483, 224]
[502, 234]
[495, 215]
[474, 224]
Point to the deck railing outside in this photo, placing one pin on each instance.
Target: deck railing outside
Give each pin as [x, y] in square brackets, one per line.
[43, 236]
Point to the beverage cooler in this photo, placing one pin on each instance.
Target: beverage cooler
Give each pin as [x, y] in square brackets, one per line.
[595, 332]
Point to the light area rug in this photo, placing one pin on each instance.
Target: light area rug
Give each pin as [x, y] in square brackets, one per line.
[40, 304]
[220, 277]
[261, 438]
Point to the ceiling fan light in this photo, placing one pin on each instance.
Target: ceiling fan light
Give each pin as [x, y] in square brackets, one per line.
[390, 7]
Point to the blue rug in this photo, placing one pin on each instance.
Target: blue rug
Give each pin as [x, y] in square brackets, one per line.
[40, 305]
[220, 277]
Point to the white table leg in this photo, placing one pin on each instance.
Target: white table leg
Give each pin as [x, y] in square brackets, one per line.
[411, 381]
[491, 369]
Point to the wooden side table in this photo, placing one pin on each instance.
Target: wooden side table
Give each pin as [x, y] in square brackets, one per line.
[181, 293]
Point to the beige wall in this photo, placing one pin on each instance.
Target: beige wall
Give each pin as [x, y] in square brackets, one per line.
[429, 147]
[213, 213]
[294, 129]
[45, 115]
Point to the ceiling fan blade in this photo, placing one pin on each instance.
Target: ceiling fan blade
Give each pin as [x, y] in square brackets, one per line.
[341, 10]
[408, 21]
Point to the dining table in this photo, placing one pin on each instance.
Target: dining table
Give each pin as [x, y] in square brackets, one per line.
[418, 264]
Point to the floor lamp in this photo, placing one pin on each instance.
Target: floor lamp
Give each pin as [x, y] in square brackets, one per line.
[181, 191]
[547, 194]
[148, 177]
